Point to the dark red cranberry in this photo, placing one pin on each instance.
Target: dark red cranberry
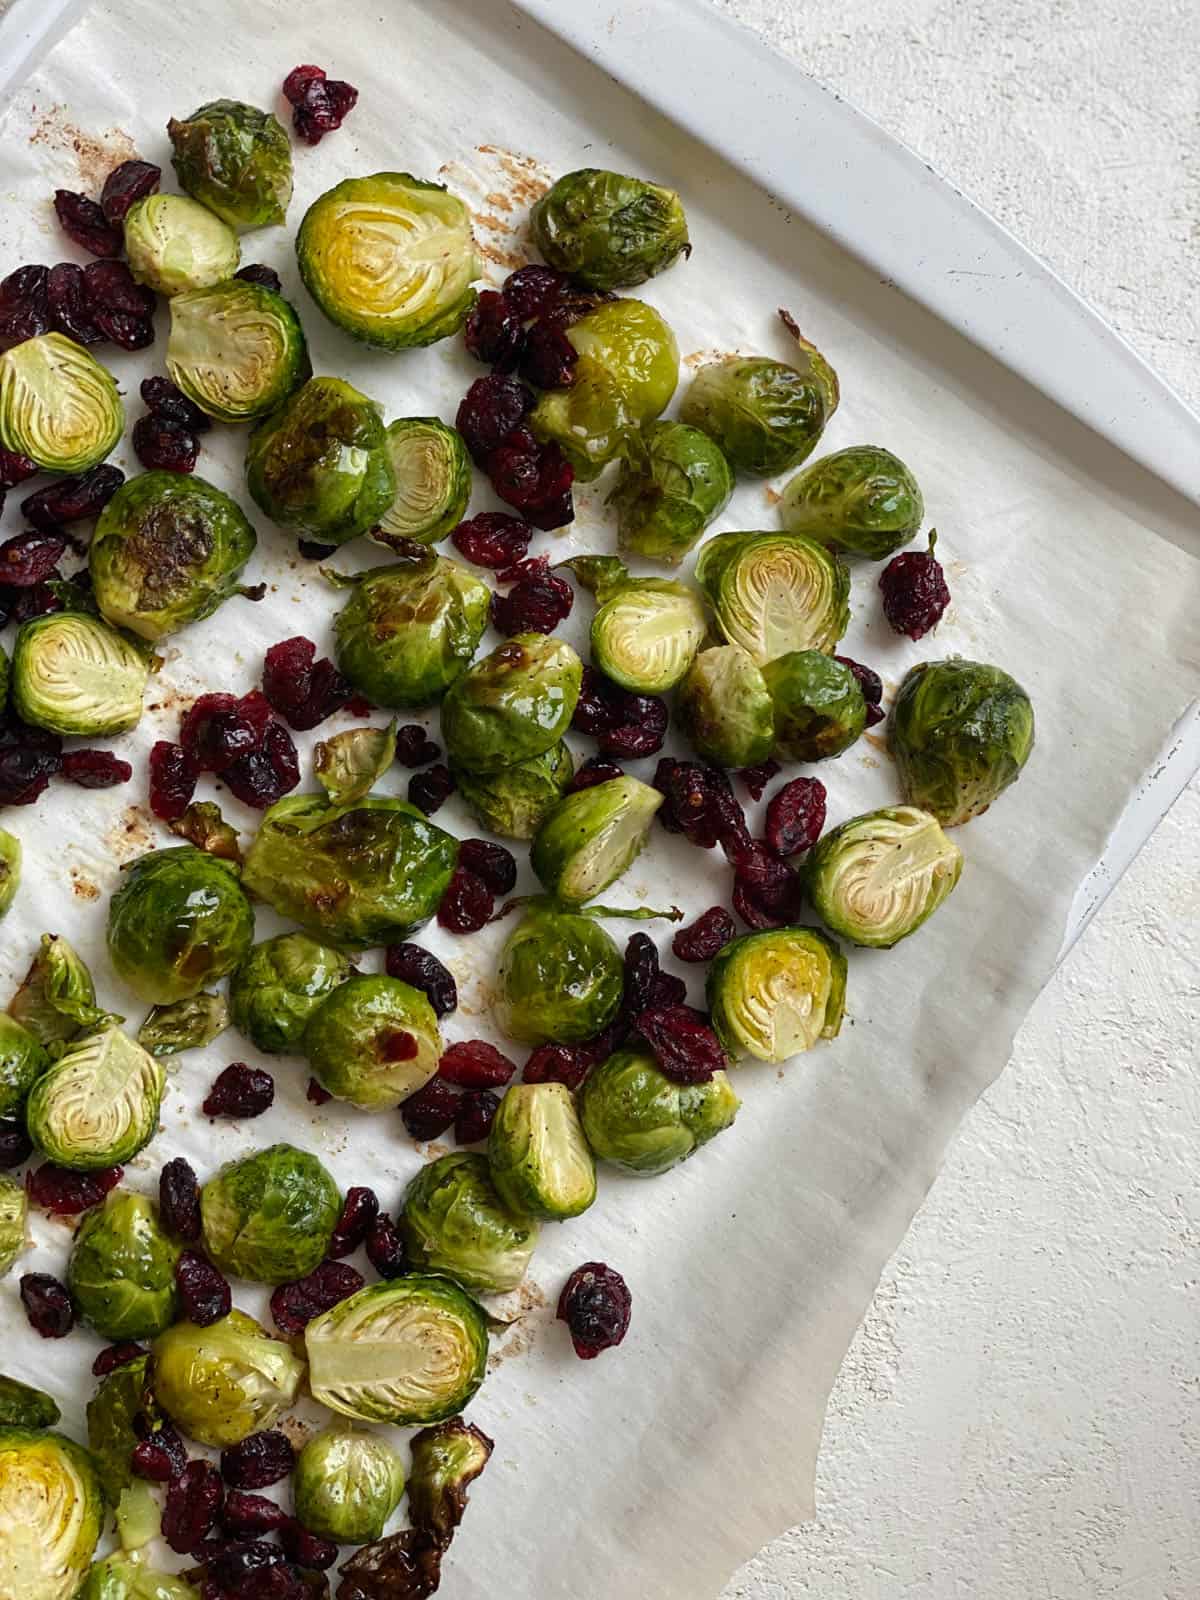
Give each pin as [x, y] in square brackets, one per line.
[641, 969]
[64, 1193]
[47, 1305]
[598, 709]
[16, 1146]
[112, 288]
[396, 1044]
[644, 731]
[204, 1295]
[316, 1095]
[549, 357]
[476, 1109]
[359, 1210]
[413, 964]
[875, 714]
[475, 1064]
[915, 593]
[428, 1113]
[534, 290]
[29, 558]
[264, 776]
[489, 411]
[414, 747]
[492, 862]
[95, 769]
[294, 1305]
[193, 1502]
[559, 1063]
[302, 689]
[494, 333]
[24, 311]
[669, 990]
[593, 771]
[124, 186]
[66, 298]
[706, 937]
[757, 778]
[165, 445]
[258, 1461]
[869, 680]
[766, 892]
[320, 104]
[305, 1548]
[72, 499]
[136, 333]
[160, 1456]
[467, 904]
[429, 790]
[246, 1515]
[218, 729]
[595, 1304]
[179, 1200]
[265, 277]
[240, 1091]
[535, 604]
[164, 399]
[37, 601]
[235, 1565]
[492, 539]
[687, 1049]
[172, 781]
[535, 479]
[385, 1248]
[29, 757]
[14, 470]
[116, 1355]
[83, 221]
[795, 816]
[298, 80]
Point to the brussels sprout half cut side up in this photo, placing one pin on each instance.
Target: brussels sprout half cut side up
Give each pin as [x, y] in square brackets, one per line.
[766, 416]
[560, 978]
[58, 405]
[178, 922]
[413, 1350]
[98, 1104]
[23, 1059]
[607, 230]
[13, 1211]
[646, 633]
[220, 1383]
[774, 994]
[22, 1406]
[389, 259]
[75, 675]
[373, 1041]
[122, 1269]
[592, 836]
[673, 482]
[775, 592]
[56, 999]
[346, 1485]
[270, 1216]
[514, 704]
[818, 706]
[237, 350]
[10, 867]
[724, 708]
[863, 501]
[276, 989]
[539, 1159]
[234, 159]
[516, 800]
[51, 1514]
[455, 1222]
[877, 878]
[634, 1116]
[433, 480]
[174, 244]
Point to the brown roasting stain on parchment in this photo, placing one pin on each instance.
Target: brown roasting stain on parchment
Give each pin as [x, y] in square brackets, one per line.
[500, 197]
[131, 834]
[96, 154]
[518, 1337]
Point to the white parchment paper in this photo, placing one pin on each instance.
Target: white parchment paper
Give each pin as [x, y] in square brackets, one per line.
[656, 1469]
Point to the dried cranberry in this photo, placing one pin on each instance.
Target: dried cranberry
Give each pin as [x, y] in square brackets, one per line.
[494, 333]
[593, 771]
[24, 310]
[124, 186]
[193, 1501]
[641, 969]
[385, 1248]
[706, 937]
[757, 778]
[64, 1193]
[294, 1305]
[16, 1146]
[359, 1210]
[320, 104]
[467, 904]
[217, 729]
[240, 1091]
[915, 593]
[265, 277]
[316, 1095]
[72, 499]
[112, 288]
[83, 221]
[172, 781]
[30, 558]
[415, 965]
[428, 1113]
[559, 1063]
[595, 1304]
[598, 709]
[249, 1514]
[532, 477]
[534, 290]
[264, 776]
[29, 757]
[536, 604]
[258, 1461]
[160, 1456]
[312, 551]
[795, 816]
[644, 732]
[305, 1548]
[475, 1064]
[283, 1581]
[38, 600]
[15, 469]
[179, 1200]
[164, 399]
[414, 747]
[492, 862]
[135, 333]
[95, 769]
[687, 1049]
[869, 680]
[549, 358]
[67, 301]
[204, 1295]
[302, 689]
[476, 1109]
[492, 539]
[47, 1305]
[766, 892]
[490, 411]
[234, 1565]
[164, 445]
[116, 1355]
[669, 990]
[429, 790]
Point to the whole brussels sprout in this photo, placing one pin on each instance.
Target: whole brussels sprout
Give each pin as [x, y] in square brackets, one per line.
[373, 1041]
[409, 631]
[123, 1396]
[58, 405]
[863, 500]
[560, 978]
[346, 1485]
[673, 482]
[446, 1460]
[22, 1406]
[513, 704]
[646, 631]
[636, 1118]
[22, 1062]
[607, 230]
[122, 1576]
[219, 1384]
[77, 676]
[359, 875]
[98, 1104]
[960, 732]
[724, 708]
[455, 1222]
[877, 878]
[122, 1269]
[279, 985]
[433, 480]
[389, 259]
[169, 548]
[174, 244]
[775, 592]
[765, 415]
[51, 1514]
[12, 1223]
[234, 159]
[57, 998]
[538, 1157]
[178, 921]
[184, 1025]
[320, 463]
[592, 836]
[10, 862]
[269, 1216]
[515, 801]
[407, 1351]
[818, 704]
[237, 350]
[775, 993]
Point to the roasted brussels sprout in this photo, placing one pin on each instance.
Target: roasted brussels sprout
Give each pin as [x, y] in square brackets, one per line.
[514, 704]
[320, 463]
[234, 159]
[270, 1215]
[360, 875]
[12, 1224]
[863, 500]
[592, 836]
[138, 1516]
[122, 1269]
[818, 705]
[10, 862]
[409, 1351]
[455, 1222]
[184, 1025]
[560, 978]
[515, 801]
[203, 825]
[122, 1396]
[237, 350]
[408, 631]
[765, 415]
[433, 480]
[51, 1514]
[346, 1485]
[75, 675]
[220, 1383]
[57, 999]
[373, 1041]
[97, 1105]
[122, 1576]
[58, 405]
[724, 708]
[279, 985]
[775, 592]
[646, 631]
[349, 764]
[607, 230]
[960, 732]
[673, 482]
[389, 259]
[538, 1157]
[174, 244]
[178, 921]
[775, 993]
[22, 1062]
[876, 878]
[22, 1406]
[636, 1118]
[446, 1460]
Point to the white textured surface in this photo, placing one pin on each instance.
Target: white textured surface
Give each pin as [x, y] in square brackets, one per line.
[1019, 1416]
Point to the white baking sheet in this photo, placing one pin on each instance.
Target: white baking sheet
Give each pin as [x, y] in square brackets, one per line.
[659, 1468]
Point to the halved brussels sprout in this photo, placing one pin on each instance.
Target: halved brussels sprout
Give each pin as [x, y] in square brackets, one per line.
[409, 631]
[360, 875]
[876, 878]
[724, 709]
[389, 259]
[560, 978]
[412, 1350]
[539, 1159]
[775, 592]
[433, 479]
[455, 1222]
[10, 863]
[98, 1104]
[515, 801]
[346, 1485]
[220, 1383]
[184, 1025]
[237, 350]
[765, 415]
[446, 1460]
[51, 1515]
[13, 1209]
[349, 764]
[22, 1406]
[775, 993]
[647, 631]
[234, 159]
[636, 1118]
[818, 705]
[57, 998]
[320, 463]
[514, 704]
[122, 1269]
[279, 985]
[592, 836]
[174, 244]
[22, 1062]
[961, 732]
[122, 1396]
[179, 921]
[373, 1041]
[122, 1576]
[674, 481]
[269, 1216]
[75, 675]
[863, 500]
[607, 230]
[58, 405]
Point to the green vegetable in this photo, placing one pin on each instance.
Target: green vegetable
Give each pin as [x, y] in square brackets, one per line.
[10, 865]
[373, 1041]
[877, 878]
[51, 1515]
[121, 1397]
[513, 704]
[539, 1159]
[234, 159]
[455, 1222]
[446, 1460]
[818, 704]
[12, 1223]
[137, 1516]
[237, 349]
[775, 592]
[270, 1215]
[433, 480]
[57, 999]
[516, 800]
[766, 416]
[607, 230]
[560, 978]
[279, 985]
[174, 244]
[123, 1577]
[179, 921]
[863, 501]
[724, 708]
[646, 631]
[77, 676]
[98, 1104]
[203, 825]
[407, 1351]
[122, 1269]
[389, 259]
[636, 1118]
[58, 405]
[184, 1025]
[673, 482]
[22, 1406]
[22, 1062]
[346, 1485]
[220, 1383]
[774, 994]
[592, 837]
[960, 732]
[350, 763]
